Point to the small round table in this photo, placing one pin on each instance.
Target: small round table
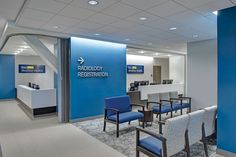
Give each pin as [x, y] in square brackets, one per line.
[148, 116]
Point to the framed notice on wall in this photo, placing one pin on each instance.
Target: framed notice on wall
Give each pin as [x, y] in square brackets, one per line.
[135, 69]
[26, 68]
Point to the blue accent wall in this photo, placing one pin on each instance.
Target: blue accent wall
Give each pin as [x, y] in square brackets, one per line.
[227, 80]
[87, 94]
[7, 77]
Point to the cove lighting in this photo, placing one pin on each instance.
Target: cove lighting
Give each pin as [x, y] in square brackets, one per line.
[142, 18]
[215, 12]
[25, 47]
[93, 2]
[173, 28]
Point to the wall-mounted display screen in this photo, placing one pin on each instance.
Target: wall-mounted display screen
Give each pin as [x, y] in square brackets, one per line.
[135, 69]
[26, 68]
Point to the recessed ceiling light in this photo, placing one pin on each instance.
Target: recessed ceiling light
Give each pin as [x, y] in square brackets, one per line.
[173, 28]
[169, 55]
[142, 18]
[195, 36]
[55, 27]
[97, 34]
[93, 2]
[215, 12]
[142, 52]
[127, 39]
[156, 54]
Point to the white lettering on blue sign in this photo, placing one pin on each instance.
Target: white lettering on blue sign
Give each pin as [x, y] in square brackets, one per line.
[90, 71]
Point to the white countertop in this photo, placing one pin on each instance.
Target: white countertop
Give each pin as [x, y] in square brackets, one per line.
[34, 98]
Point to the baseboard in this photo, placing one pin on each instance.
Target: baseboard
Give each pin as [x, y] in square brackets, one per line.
[84, 119]
[2, 100]
[225, 153]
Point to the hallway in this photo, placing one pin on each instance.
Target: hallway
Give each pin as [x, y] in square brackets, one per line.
[44, 137]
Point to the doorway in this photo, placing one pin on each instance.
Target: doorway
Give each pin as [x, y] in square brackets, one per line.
[157, 74]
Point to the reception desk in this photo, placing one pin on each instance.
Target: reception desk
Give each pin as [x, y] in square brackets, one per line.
[41, 101]
[160, 88]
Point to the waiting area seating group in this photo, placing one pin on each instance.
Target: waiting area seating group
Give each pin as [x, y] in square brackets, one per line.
[179, 134]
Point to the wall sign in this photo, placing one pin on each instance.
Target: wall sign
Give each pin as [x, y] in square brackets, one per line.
[90, 71]
[135, 69]
[97, 71]
[26, 68]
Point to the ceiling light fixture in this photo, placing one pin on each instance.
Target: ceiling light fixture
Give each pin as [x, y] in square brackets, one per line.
[142, 52]
[195, 36]
[169, 55]
[142, 18]
[55, 27]
[157, 54]
[25, 47]
[127, 39]
[93, 2]
[20, 50]
[97, 34]
[173, 28]
[215, 12]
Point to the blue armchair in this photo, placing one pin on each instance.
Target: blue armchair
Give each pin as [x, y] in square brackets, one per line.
[119, 110]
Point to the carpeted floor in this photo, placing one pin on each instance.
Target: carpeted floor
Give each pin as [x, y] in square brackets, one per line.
[126, 142]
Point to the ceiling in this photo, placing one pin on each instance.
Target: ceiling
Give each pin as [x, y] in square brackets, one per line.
[17, 46]
[119, 20]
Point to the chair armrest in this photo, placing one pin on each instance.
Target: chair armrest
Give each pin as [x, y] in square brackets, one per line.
[176, 99]
[152, 102]
[184, 97]
[166, 101]
[112, 109]
[158, 136]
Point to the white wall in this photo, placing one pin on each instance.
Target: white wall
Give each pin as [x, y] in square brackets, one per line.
[44, 80]
[202, 73]
[139, 60]
[177, 69]
[164, 63]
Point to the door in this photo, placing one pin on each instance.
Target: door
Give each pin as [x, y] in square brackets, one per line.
[157, 74]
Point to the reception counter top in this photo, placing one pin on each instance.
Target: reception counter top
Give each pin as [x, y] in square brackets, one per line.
[37, 100]
[160, 88]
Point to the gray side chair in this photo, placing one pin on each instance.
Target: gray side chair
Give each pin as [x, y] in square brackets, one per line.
[171, 142]
[196, 130]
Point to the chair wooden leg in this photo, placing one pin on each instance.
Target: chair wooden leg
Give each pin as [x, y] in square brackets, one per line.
[205, 147]
[104, 126]
[129, 122]
[137, 153]
[171, 114]
[143, 124]
[117, 130]
[181, 111]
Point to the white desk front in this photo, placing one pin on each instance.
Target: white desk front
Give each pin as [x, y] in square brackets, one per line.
[161, 88]
[35, 99]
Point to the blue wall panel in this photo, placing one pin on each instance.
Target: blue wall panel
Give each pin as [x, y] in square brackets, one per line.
[87, 94]
[7, 77]
[227, 80]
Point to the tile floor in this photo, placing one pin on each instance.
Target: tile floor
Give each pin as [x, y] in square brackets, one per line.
[21, 136]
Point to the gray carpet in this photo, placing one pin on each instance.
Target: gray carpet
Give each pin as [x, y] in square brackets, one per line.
[126, 142]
